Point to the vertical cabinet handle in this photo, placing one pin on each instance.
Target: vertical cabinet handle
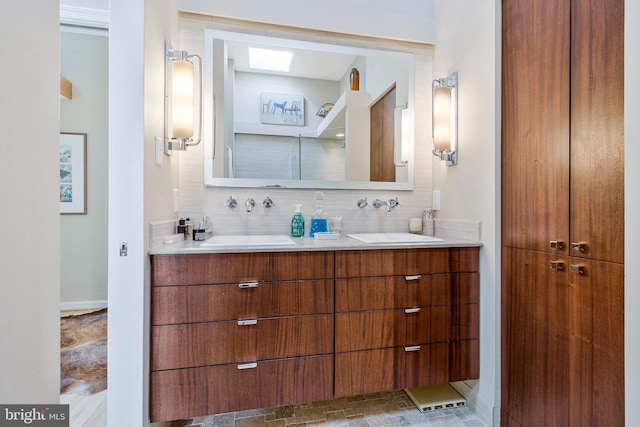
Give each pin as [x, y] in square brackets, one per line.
[246, 322]
[410, 278]
[248, 365]
[579, 269]
[412, 310]
[409, 348]
[247, 285]
[579, 246]
[556, 244]
[556, 265]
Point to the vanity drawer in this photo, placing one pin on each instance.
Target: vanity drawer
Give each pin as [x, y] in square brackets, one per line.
[205, 303]
[188, 393]
[370, 371]
[399, 262]
[371, 293]
[202, 269]
[389, 328]
[201, 344]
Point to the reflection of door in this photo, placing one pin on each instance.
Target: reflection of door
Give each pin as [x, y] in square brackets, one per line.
[382, 133]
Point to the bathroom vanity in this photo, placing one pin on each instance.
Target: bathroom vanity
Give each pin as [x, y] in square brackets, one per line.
[236, 330]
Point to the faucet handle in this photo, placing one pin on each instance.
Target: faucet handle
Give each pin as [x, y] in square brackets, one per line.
[231, 203]
[377, 203]
[267, 202]
[362, 203]
[392, 203]
[249, 203]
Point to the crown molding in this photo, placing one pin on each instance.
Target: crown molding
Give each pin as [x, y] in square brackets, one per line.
[84, 17]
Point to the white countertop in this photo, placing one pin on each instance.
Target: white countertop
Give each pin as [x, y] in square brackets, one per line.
[306, 244]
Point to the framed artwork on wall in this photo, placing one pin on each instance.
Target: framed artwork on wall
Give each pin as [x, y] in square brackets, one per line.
[282, 109]
[73, 173]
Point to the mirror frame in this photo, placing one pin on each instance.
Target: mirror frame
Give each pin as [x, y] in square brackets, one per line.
[348, 42]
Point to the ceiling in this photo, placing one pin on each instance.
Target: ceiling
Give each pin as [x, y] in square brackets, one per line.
[312, 64]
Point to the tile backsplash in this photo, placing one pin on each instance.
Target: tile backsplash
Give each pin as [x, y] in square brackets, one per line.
[196, 201]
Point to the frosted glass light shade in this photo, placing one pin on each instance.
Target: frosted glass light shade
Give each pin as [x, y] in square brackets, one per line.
[445, 118]
[442, 119]
[182, 111]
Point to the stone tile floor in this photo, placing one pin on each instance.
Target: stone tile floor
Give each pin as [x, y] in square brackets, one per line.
[377, 409]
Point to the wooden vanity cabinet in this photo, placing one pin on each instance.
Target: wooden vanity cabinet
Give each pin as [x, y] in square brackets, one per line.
[405, 318]
[237, 331]
[231, 332]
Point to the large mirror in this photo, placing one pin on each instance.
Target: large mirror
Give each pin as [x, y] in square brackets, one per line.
[337, 116]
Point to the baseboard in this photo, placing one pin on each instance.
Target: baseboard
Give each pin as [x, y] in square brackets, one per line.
[82, 305]
[477, 406]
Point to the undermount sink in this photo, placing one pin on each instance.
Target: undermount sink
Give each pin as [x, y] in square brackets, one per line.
[249, 240]
[383, 238]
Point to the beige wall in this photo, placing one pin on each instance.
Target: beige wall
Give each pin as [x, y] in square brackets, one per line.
[29, 206]
[83, 61]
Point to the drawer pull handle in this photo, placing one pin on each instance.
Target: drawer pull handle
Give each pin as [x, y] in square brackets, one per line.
[246, 322]
[557, 265]
[248, 365]
[247, 285]
[579, 246]
[412, 310]
[410, 278]
[556, 244]
[578, 269]
[411, 348]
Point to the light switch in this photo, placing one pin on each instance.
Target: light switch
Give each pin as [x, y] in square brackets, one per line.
[159, 150]
[435, 203]
[176, 200]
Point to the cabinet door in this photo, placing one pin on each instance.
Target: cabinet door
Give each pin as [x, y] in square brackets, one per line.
[597, 129]
[535, 123]
[535, 342]
[596, 305]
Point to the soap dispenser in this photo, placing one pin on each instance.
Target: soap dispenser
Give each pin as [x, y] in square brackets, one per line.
[319, 218]
[297, 223]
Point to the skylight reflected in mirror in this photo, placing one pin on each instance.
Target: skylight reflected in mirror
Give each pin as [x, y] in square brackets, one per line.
[269, 59]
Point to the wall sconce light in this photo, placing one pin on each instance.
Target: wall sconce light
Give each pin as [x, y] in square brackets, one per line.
[445, 118]
[179, 100]
[401, 136]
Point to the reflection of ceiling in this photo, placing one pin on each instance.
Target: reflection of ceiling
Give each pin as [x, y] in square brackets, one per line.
[305, 63]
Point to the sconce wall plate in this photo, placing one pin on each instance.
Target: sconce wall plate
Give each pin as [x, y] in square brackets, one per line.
[182, 124]
[444, 93]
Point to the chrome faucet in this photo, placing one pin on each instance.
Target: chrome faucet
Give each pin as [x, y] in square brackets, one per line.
[231, 203]
[267, 202]
[249, 203]
[362, 203]
[390, 204]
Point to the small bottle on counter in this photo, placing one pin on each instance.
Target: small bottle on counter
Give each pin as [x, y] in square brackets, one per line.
[207, 226]
[297, 223]
[427, 222]
[319, 218]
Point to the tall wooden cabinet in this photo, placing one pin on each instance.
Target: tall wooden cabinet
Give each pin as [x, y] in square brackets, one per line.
[562, 213]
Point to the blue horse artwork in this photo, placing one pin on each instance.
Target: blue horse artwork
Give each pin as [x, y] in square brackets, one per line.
[282, 109]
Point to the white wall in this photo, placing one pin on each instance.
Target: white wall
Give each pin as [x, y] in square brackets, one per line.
[632, 210]
[83, 61]
[29, 206]
[469, 43]
[400, 19]
[138, 192]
